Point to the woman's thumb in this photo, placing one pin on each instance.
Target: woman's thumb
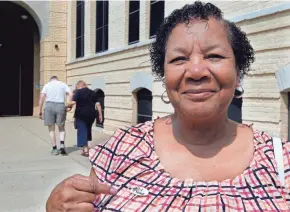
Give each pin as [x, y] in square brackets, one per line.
[100, 188]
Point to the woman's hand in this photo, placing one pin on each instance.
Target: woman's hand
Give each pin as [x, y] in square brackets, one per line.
[76, 193]
[100, 119]
[40, 115]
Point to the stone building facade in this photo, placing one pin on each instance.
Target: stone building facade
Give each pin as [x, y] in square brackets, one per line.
[119, 69]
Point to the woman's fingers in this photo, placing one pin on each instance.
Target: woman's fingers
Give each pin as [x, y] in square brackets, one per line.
[84, 207]
[91, 184]
[85, 197]
[77, 193]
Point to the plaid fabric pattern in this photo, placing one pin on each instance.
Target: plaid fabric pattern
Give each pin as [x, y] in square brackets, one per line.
[128, 160]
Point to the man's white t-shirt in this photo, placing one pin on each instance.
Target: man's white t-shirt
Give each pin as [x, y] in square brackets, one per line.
[55, 91]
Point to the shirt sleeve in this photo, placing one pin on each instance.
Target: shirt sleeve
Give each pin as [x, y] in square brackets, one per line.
[67, 88]
[95, 97]
[114, 155]
[44, 89]
[103, 156]
[286, 156]
[75, 96]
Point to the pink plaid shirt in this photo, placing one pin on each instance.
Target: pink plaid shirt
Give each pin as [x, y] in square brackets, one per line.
[128, 160]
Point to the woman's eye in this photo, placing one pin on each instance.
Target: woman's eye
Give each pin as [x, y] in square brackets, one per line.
[214, 57]
[178, 60]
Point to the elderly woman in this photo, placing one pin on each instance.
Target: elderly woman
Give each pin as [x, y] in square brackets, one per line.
[85, 114]
[195, 159]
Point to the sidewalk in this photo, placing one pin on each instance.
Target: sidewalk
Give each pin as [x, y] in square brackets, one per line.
[27, 170]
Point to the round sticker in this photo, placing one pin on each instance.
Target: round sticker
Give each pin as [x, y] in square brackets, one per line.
[139, 191]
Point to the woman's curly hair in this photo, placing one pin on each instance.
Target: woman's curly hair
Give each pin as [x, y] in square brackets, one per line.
[243, 51]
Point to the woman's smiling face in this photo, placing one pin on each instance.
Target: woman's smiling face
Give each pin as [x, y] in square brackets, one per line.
[200, 70]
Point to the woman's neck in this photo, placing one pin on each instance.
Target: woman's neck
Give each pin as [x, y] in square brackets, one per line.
[203, 133]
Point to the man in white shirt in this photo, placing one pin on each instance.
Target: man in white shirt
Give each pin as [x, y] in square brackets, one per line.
[54, 94]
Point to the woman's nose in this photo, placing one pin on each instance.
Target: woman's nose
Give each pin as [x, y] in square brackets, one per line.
[196, 70]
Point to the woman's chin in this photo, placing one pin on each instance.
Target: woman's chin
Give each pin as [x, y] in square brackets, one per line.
[203, 113]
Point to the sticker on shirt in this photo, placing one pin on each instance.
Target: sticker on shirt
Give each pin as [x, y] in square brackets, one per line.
[139, 191]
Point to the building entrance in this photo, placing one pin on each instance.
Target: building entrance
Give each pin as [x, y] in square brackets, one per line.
[17, 38]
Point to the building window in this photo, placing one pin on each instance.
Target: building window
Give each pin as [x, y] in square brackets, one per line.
[156, 16]
[102, 19]
[80, 29]
[144, 98]
[101, 100]
[134, 17]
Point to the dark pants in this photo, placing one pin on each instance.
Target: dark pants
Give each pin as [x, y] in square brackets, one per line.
[84, 132]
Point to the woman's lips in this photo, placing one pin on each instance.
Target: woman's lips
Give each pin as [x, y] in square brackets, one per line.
[199, 95]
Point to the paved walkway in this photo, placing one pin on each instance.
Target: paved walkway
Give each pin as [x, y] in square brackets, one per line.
[27, 170]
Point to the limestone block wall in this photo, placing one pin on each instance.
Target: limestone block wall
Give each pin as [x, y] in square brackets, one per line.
[118, 24]
[117, 70]
[263, 104]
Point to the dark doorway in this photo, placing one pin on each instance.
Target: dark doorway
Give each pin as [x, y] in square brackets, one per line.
[235, 110]
[18, 30]
[101, 100]
[144, 98]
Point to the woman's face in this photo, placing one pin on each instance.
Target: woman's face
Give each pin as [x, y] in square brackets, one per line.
[200, 69]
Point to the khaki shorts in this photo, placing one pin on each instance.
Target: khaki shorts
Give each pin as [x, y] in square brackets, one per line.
[54, 113]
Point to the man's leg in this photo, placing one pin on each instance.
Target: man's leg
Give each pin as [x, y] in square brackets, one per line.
[51, 129]
[49, 120]
[60, 121]
[62, 138]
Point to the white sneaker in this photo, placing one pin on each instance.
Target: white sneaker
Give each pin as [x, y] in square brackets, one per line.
[55, 152]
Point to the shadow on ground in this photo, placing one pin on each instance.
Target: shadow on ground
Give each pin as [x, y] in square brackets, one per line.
[72, 149]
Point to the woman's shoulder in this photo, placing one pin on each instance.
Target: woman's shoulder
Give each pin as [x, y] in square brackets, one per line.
[266, 150]
[128, 141]
[264, 142]
[125, 147]
[264, 138]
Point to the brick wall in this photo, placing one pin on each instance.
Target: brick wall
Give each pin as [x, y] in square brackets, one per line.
[53, 45]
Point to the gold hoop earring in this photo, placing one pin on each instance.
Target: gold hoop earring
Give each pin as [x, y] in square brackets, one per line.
[162, 98]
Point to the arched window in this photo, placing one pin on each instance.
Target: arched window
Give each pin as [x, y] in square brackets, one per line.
[144, 102]
[101, 100]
